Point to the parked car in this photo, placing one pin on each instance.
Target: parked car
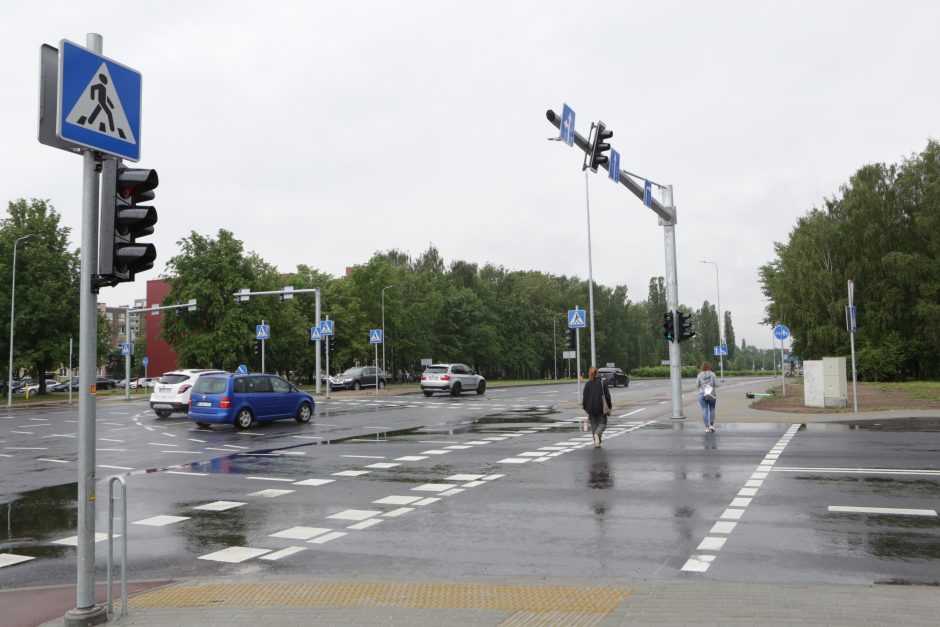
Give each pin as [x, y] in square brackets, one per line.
[173, 390]
[358, 378]
[614, 376]
[143, 382]
[33, 386]
[242, 399]
[451, 378]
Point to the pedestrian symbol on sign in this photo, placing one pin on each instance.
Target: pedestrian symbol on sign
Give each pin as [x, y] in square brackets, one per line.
[100, 103]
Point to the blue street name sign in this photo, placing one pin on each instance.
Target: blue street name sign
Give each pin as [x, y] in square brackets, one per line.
[576, 319]
[315, 335]
[647, 193]
[99, 102]
[375, 336]
[567, 125]
[242, 369]
[614, 171]
[326, 327]
[146, 362]
[263, 332]
[721, 350]
[781, 332]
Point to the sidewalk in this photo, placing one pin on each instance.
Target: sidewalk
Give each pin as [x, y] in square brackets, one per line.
[317, 600]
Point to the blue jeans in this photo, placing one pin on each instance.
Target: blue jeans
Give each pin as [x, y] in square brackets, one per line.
[708, 409]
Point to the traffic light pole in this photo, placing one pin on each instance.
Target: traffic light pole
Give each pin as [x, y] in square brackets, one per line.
[672, 301]
[86, 612]
[190, 306]
[667, 214]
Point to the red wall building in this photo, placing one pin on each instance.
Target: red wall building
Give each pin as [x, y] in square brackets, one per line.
[161, 356]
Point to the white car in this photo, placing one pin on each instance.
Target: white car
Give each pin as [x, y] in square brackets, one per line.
[171, 393]
[451, 378]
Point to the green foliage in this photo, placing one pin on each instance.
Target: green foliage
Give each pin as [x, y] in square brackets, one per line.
[47, 280]
[505, 324]
[883, 232]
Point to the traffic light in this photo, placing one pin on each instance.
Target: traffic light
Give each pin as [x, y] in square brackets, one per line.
[122, 220]
[331, 343]
[600, 146]
[685, 326]
[669, 326]
[569, 339]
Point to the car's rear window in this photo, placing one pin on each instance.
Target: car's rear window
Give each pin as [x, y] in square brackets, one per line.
[210, 385]
[172, 379]
[436, 369]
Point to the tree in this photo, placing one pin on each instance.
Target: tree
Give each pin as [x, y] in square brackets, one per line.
[47, 286]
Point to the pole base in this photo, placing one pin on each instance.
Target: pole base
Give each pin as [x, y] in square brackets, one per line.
[86, 616]
[676, 417]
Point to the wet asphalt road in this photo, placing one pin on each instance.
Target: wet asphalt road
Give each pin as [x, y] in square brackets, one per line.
[500, 484]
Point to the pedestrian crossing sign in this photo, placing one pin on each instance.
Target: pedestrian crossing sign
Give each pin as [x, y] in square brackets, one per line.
[326, 327]
[263, 332]
[99, 102]
[576, 319]
[375, 336]
[315, 335]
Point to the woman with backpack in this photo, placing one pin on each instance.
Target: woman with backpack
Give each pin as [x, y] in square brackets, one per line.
[595, 400]
[707, 384]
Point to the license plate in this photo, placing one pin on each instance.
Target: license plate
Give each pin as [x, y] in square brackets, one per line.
[163, 390]
[203, 404]
[432, 377]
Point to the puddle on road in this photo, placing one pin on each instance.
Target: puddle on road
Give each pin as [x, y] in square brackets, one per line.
[39, 515]
[884, 424]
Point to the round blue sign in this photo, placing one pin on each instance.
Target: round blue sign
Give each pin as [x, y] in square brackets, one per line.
[781, 332]
[146, 361]
[242, 369]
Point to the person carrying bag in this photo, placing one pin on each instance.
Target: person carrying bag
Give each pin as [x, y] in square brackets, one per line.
[707, 384]
[596, 403]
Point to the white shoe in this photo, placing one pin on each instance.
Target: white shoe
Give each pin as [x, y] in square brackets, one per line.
[597, 441]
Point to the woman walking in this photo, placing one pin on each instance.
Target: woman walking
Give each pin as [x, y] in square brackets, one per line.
[707, 384]
[595, 400]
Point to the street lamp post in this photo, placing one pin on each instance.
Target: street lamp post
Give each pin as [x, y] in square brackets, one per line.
[721, 342]
[383, 327]
[12, 301]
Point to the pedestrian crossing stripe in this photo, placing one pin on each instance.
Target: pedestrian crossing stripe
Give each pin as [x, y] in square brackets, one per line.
[99, 109]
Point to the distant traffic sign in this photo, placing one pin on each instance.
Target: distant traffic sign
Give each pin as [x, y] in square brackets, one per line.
[721, 350]
[263, 332]
[326, 327]
[568, 355]
[375, 336]
[99, 102]
[567, 125]
[781, 332]
[315, 335]
[242, 369]
[146, 362]
[614, 170]
[647, 193]
[576, 319]
[125, 349]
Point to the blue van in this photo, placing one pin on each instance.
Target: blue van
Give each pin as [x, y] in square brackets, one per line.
[242, 399]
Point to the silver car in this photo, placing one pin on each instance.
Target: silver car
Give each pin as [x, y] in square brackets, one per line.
[451, 378]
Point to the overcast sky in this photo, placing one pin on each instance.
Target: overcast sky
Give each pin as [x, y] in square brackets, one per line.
[321, 132]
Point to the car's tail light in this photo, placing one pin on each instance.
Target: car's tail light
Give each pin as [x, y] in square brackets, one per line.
[423, 378]
[184, 387]
[225, 402]
[445, 377]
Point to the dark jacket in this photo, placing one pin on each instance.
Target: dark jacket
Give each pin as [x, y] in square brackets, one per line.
[592, 400]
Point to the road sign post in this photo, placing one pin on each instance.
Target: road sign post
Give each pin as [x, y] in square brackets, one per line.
[326, 330]
[375, 337]
[576, 321]
[781, 333]
[852, 324]
[263, 333]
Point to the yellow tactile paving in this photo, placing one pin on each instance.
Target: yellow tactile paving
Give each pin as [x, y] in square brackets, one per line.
[513, 598]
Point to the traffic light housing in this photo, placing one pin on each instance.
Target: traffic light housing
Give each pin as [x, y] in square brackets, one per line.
[122, 220]
[600, 146]
[685, 326]
[569, 339]
[331, 343]
[669, 326]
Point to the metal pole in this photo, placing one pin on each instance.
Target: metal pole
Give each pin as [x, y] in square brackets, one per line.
[86, 612]
[672, 301]
[317, 385]
[587, 200]
[783, 371]
[127, 358]
[577, 348]
[851, 325]
[376, 369]
[12, 301]
[70, 371]
[262, 349]
[327, 365]
[555, 345]
[721, 342]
